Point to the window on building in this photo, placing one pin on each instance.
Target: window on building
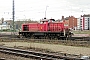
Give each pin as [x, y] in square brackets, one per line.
[80, 19]
[88, 18]
[88, 23]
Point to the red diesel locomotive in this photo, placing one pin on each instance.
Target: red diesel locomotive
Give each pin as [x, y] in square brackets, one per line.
[47, 28]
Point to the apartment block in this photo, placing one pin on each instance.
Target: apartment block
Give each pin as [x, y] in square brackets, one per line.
[83, 22]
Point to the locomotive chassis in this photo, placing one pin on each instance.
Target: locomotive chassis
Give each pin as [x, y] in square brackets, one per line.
[45, 35]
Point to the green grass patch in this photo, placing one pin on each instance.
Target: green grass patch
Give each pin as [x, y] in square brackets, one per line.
[82, 32]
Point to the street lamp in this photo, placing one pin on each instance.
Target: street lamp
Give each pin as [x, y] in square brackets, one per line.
[46, 11]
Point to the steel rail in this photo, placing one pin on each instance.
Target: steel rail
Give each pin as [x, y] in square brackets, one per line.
[34, 54]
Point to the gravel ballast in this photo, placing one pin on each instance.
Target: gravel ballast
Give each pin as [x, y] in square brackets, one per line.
[52, 47]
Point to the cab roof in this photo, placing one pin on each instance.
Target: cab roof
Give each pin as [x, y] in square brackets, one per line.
[47, 19]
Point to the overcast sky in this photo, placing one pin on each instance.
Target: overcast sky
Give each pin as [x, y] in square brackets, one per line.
[35, 9]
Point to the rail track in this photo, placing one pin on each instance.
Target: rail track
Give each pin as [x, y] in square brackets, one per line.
[2, 59]
[73, 41]
[70, 38]
[36, 55]
[13, 35]
[10, 36]
[84, 41]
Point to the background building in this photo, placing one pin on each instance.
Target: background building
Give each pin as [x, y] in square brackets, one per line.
[70, 21]
[83, 22]
[4, 26]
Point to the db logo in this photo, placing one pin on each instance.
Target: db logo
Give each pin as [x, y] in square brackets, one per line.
[41, 27]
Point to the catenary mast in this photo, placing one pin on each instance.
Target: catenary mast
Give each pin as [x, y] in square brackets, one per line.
[13, 15]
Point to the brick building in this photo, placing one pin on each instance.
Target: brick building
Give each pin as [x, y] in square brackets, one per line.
[70, 21]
